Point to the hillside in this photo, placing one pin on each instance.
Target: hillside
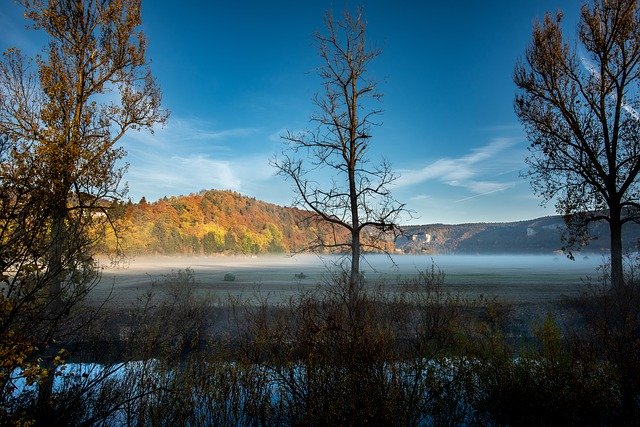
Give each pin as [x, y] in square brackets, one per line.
[211, 222]
[540, 235]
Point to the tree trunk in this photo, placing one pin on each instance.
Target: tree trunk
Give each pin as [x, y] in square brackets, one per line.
[354, 277]
[54, 266]
[54, 306]
[615, 228]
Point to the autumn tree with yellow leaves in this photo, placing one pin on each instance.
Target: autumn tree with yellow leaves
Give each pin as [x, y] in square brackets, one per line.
[61, 116]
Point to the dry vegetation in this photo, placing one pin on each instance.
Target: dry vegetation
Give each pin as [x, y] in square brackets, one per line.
[420, 357]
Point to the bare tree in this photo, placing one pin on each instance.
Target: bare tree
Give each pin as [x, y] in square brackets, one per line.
[61, 116]
[580, 108]
[356, 197]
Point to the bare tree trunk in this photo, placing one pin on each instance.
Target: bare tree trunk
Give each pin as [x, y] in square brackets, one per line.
[354, 277]
[360, 197]
[615, 228]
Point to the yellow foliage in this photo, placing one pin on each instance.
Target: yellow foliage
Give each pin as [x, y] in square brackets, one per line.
[210, 222]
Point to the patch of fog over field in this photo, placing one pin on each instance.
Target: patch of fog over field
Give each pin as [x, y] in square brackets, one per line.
[520, 278]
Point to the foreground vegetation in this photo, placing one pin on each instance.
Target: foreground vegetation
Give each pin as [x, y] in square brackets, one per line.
[423, 357]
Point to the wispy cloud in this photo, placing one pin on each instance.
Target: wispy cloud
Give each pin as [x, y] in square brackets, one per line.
[218, 135]
[277, 135]
[497, 188]
[487, 187]
[160, 175]
[180, 131]
[462, 171]
[187, 155]
[183, 174]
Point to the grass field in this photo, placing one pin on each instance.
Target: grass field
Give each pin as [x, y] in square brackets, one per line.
[515, 278]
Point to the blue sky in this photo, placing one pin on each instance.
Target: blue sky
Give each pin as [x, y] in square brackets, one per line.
[236, 75]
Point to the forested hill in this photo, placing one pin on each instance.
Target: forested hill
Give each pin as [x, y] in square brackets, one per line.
[210, 222]
[213, 222]
[540, 235]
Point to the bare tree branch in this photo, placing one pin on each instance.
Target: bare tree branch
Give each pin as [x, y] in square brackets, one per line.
[356, 197]
[581, 117]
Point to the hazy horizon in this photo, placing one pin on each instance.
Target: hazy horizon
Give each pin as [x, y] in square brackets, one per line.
[518, 278]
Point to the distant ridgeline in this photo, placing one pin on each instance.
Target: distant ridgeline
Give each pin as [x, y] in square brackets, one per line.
[213, 222]
[536, 236]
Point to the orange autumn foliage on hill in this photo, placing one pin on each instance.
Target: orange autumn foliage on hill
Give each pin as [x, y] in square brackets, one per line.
[211, 222]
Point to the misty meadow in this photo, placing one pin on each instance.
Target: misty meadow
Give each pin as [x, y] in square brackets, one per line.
[369, 247]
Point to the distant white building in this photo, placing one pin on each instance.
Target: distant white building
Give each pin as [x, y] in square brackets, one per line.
[427, 237]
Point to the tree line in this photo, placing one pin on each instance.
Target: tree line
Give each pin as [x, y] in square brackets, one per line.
[210, 222]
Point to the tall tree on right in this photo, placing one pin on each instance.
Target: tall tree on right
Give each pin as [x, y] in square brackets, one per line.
[581, 109]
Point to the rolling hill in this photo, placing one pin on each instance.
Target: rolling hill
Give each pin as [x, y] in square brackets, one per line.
[536, 236]
[212, 222]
